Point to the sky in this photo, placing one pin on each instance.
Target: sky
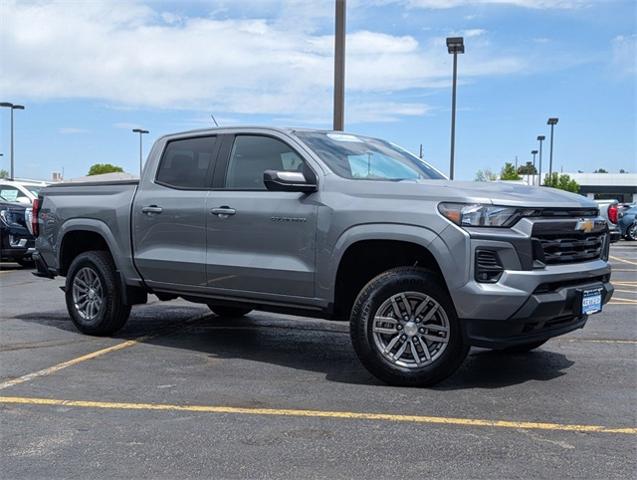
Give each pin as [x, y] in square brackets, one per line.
[90, 71]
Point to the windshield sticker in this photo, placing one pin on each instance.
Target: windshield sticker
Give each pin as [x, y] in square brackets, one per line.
[343, 137]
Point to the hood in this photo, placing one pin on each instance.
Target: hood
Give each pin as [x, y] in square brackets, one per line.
[497, 193]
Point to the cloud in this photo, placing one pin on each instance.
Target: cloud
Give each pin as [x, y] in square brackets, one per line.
[71, 130]
[625, 54]
[129, 54]
[536, 4]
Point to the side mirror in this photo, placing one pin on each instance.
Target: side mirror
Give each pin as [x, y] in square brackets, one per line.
[282, 181]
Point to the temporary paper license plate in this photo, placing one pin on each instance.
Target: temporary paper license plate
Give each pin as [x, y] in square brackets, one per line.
[591, 301]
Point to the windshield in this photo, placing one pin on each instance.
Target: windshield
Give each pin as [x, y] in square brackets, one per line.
[33, 190]
[364, 158]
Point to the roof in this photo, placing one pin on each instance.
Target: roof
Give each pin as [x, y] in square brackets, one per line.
[104, 177]
[605, 179]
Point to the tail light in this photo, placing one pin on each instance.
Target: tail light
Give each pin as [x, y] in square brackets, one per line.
[35, 229]
[613, 212]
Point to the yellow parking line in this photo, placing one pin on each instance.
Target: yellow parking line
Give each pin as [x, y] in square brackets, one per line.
[623, 260]
[89, 356]
[341, 415]
[56, 368]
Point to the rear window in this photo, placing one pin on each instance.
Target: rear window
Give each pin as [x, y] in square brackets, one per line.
[186, 163]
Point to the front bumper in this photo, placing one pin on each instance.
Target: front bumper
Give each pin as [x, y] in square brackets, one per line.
[550, 311]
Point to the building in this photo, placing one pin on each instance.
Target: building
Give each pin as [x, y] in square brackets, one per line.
[608, 186]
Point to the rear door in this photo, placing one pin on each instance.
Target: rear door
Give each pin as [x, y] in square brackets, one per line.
[260, 243]
[169, 214]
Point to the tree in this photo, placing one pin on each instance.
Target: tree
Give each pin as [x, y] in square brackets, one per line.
[485, 175]
[100, 168]
[508, 172]
[621, 170]
[561, 181]
[527, 169]
[4, 174]
[600, 170]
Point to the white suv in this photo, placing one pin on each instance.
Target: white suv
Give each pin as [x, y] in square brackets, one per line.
[20, 192]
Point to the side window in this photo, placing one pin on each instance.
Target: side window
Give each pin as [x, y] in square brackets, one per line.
[253, 155]
[12, 194]
[185, 163]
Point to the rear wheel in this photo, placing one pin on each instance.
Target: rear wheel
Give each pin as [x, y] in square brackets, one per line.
[405, 330]
[93, 294]
[524, 347]
[229, 312]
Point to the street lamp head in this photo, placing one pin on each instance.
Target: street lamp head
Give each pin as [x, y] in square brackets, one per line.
[18, 107]
[139, 130]
[552, 121]
[541, 138]
[6, 104]
[533, 152]
[455, 44]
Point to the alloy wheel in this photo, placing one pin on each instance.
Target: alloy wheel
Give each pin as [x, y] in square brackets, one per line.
[88, 293]
[411, 330]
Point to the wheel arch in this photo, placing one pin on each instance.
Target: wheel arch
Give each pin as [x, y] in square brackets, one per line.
[394, 244]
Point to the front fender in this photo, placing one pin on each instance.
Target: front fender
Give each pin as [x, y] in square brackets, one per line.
[450, 253]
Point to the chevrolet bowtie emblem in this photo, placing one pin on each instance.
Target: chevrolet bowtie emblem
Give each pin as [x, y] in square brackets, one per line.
[585, 226]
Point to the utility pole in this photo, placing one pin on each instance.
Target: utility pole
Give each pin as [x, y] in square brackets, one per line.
[420, 151]
[455, 45]
[540, 139]
[552, 122]
[12, 107]
[534, 153]
[339, 65]
[141, 132]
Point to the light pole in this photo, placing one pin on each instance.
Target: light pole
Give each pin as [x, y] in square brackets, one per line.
[534, 153]
[455, 45]
[13, 107]
[141, 132]
[552, 122]
[339, 65]
[541, 138]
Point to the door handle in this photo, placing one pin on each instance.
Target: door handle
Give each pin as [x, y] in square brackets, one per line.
[150, 209]
[223, 212]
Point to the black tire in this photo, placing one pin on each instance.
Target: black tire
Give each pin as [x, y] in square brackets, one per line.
[112, 313]
[375, 295]
[229, 312]
[631, 232]
[524, 347]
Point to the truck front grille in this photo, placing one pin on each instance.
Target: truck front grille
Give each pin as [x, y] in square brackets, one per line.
[561, 243]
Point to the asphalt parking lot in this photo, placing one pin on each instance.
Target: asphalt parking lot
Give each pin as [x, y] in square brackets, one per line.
[181, 393]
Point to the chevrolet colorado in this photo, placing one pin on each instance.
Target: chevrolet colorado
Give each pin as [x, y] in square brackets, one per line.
[334, 225]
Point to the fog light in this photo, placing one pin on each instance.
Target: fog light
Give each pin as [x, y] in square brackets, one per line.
[488, 267]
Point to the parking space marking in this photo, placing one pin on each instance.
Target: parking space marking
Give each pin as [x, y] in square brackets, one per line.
[60, 366]
[626, 291]
[622, 260]
[627, 300]
[98, 353]
[340, 415]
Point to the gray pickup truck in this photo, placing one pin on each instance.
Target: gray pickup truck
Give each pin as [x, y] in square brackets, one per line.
[332, 225]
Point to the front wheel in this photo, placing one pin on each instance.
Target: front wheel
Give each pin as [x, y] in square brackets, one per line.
[631, 232]
[93, 295]
[405, 330]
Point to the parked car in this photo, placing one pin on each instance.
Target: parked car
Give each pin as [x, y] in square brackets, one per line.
[16, 243]
[333, 225]
[609, 209]
[20, 191]
[628, 224]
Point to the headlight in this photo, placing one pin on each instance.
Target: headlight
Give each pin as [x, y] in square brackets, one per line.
[479, 215]
[7, 217]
